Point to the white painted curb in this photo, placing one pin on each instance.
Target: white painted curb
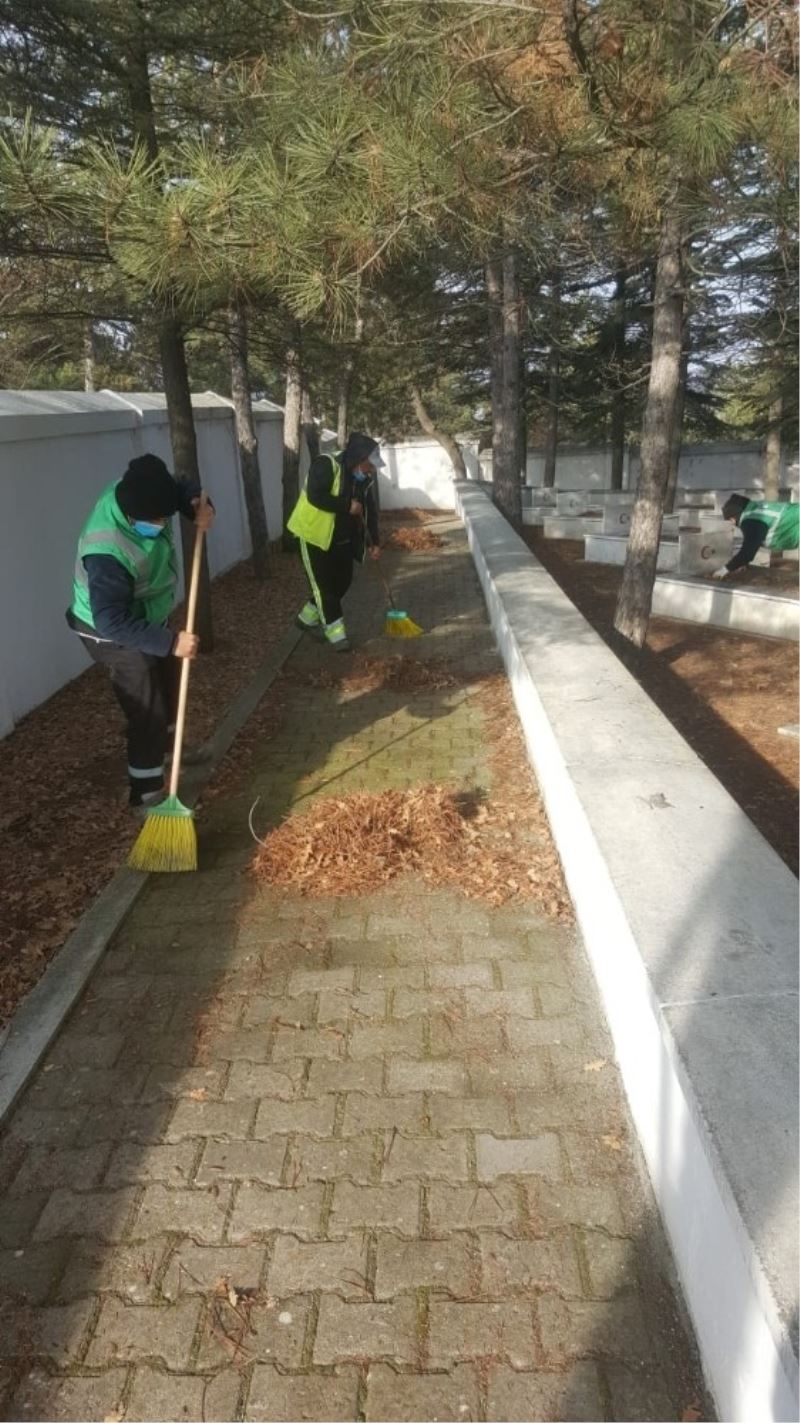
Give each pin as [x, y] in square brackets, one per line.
[690, 921]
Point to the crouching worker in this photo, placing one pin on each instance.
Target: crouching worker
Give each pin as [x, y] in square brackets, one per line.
[123, 592]
[329, 520]
[764, 524]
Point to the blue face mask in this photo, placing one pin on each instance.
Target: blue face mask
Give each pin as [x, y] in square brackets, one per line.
[147, 531]
[359, 476]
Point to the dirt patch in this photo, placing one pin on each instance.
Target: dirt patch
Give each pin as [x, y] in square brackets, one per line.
[496, 848]
[727, 694]
[64, 825]
[782, 578]
[365, 673]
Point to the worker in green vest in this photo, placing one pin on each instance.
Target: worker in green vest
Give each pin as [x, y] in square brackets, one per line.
[764, 523]
[335, 516]
[122, 594]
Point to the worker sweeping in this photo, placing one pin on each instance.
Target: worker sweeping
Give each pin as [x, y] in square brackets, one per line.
[123, 592]
[335, 513]
[764, 523]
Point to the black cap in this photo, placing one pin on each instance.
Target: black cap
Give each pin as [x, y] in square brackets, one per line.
[147, 490]
[734, 507]
[359, 447]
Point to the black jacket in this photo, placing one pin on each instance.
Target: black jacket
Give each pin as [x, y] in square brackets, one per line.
[347, 528]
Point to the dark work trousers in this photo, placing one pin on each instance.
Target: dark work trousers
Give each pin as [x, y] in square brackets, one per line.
[147, 690]
[329, 573]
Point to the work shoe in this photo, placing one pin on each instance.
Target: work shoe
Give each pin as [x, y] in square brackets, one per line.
[336, 636]
[315, 630]
[139, 809]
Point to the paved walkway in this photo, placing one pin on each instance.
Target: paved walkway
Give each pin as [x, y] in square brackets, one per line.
[358, 1159]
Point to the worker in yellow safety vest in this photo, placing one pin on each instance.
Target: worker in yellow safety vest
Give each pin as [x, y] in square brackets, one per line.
[335, 513]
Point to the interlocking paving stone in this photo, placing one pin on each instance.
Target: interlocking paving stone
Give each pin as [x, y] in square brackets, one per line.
[436, 1264]
[390, 1122]
[575, 1393]
[319, 1398]
[125, 1332]
[156, 1395]
[335, 1267]
[422, 1398]
[366, 1331]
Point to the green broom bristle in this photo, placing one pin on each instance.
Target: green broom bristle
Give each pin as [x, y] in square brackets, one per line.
[167, 842]
[400, 625]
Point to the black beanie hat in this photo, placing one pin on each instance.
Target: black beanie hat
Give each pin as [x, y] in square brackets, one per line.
[359, 447]
[147, 490]
[734, 507]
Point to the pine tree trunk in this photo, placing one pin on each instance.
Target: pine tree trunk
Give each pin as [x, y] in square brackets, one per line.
[247, 439]
[636, 593]
[310, 431]
[292, 427]
[494, 302]
[617, 431]
[446, 441]
[346, 385]
[510, 497]
[772, 454]
[172, 351]
[89, 358]
[553, 387]
[676, 437]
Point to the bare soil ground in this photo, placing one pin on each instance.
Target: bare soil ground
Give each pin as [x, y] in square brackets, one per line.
[726, 693]
[64, 824]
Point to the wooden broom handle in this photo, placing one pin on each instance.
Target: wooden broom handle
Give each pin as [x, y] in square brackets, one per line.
[186, 662]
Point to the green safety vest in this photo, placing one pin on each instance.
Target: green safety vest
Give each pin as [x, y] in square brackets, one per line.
[150, 562]
[782, 520]
[313, 525]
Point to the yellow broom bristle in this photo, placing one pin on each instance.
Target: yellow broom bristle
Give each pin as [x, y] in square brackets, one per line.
[402, 627]
[166, 843]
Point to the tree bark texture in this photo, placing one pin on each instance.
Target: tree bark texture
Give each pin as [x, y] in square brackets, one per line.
[772, 453]
[494, 304]
[310, 431]
[676, 435]
[636, 593]
[89, 383]
[553, 387]
[172, 351]
[446, 441]
[247, 439]
[346, 385]
[617, 431]
[508, 495]
[292, 429]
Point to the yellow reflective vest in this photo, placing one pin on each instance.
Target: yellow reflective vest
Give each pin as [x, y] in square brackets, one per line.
[313, 525]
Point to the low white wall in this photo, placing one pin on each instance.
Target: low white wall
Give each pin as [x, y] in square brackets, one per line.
[419, 475]
[57, 452]
[690, 921]
[707, 466]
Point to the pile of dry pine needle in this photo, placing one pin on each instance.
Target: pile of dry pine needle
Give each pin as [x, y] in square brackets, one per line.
[495, 848]
[414, 540]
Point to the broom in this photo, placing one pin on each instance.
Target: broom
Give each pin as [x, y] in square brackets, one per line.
[396, 623]
[167, 841]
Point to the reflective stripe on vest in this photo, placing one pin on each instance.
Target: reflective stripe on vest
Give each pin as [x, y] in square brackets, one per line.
[781, 520]
[126, 547]
[151, 564]
[315, 526]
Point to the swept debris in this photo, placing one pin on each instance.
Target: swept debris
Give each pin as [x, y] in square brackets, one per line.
[413, 540]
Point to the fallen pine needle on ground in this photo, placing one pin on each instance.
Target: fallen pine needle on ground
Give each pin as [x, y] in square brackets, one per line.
[495, 847]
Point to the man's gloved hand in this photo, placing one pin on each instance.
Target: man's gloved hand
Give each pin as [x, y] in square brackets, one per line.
[720, 572]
